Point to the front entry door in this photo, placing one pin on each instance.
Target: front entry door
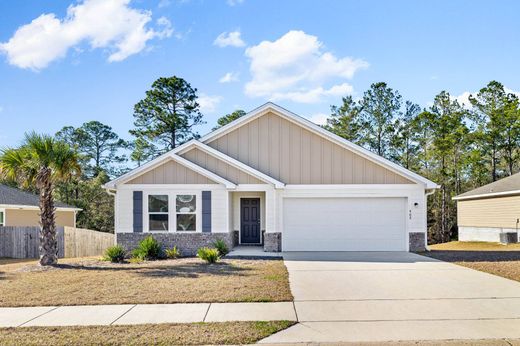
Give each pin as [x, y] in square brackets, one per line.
[250, 220]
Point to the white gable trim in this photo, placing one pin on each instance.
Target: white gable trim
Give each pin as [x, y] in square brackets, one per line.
[235, 163]
[162, 159]
[309, 125]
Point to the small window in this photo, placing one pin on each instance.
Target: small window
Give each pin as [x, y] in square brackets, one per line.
[158, 212]
[2, 222]
[186, 212]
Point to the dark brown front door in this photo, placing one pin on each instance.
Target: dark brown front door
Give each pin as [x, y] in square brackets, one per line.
[250, 220]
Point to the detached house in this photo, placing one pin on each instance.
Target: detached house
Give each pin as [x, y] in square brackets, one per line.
[277, 180]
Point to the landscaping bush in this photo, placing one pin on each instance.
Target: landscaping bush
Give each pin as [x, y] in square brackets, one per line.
[172, 253]
[207, 254]
[115, 254]
[149, 249]
[222, 247]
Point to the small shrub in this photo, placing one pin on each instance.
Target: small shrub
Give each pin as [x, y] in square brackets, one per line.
[207, 254]
[115, 254]
[149, 249]
[172, 253]
[222, 247]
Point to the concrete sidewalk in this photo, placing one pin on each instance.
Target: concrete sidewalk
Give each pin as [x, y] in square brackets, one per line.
[89, 315]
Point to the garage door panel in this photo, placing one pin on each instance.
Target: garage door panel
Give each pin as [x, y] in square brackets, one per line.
[344, 224]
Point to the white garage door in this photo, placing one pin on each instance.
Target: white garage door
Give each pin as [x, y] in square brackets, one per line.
[344, 224]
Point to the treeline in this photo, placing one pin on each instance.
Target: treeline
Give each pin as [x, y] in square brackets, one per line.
[458, 146]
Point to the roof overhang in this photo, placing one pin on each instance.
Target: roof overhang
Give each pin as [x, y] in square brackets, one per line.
[487, 195]
[309, 125]
[229, 160]
[163, 159]
[33, 207]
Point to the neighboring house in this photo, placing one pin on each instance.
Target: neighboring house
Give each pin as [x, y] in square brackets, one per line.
[20, 208]
[490, 212]
[273, 179]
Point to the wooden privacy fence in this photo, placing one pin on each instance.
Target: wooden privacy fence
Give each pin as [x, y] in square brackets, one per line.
[24, 242]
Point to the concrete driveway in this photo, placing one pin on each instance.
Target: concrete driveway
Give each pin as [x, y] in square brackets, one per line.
[388, 296]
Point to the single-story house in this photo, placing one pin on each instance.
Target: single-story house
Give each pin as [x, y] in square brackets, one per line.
[490, 212]
[20, 208]
[274, 179]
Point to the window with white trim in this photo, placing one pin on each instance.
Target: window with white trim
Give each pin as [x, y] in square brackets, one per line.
[186, 213]
[2, 218]
[158, 213]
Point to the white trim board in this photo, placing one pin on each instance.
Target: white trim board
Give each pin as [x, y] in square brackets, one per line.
[163, 159]
[488, 195]
[268, 107]
[309, 125]
[235, 163]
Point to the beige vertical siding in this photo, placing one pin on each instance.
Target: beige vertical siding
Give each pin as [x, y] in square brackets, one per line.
[294, 155]
[21, 217]
[171, 172]
[489, 212]
[220, 167]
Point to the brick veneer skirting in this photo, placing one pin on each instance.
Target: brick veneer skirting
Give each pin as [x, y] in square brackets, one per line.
[417, 242]
[272, 242]
[187, 243]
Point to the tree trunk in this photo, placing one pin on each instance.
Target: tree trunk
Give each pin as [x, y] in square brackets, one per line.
[48, 241]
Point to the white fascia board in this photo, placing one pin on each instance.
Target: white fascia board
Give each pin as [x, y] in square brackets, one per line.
[486, 195]
[32, 207]
[137, 171]
[235, 163]
[269, 106]
[202, 171]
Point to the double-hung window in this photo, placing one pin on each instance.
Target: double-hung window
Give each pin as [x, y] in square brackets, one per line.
[186, 213]
[158, 213]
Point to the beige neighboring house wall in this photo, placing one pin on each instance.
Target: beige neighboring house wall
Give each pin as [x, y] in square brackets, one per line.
[171, 172]
[497, 212]
[30, 217]
[294, 155]
[220, 167]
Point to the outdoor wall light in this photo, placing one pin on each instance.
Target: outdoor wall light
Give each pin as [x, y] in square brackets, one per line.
[416, 204]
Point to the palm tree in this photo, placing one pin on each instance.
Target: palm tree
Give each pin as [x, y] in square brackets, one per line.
[40, 162]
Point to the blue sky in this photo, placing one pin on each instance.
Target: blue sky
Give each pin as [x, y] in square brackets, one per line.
[96, 62]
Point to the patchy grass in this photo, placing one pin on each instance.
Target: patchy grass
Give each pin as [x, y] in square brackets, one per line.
[493, 258]
[475, 246]
[188, 280]
[147, 334]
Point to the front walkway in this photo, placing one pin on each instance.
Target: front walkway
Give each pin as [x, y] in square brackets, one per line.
[377, 297]
[88, 315]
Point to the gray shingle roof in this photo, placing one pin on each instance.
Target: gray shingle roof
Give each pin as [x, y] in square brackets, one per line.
[12, 196]
[502, 186]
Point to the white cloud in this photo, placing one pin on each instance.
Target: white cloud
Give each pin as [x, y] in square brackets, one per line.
[207, 103]
[319, 118]
[234, 2]
[229, 39]
[463, 99]
[296, 67]
[111, 25]
[229, 77]
[313, 95]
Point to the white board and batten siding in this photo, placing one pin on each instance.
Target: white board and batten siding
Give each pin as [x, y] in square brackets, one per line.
[219, 204]
[350, 218]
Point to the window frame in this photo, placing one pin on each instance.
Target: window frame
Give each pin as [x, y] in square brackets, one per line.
[148, 212]
[177, 213]
[172, 210]
[2, 224]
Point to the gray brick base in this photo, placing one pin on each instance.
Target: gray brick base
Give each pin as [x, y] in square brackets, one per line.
[187, 243]
[272, 242]
[416, 242]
